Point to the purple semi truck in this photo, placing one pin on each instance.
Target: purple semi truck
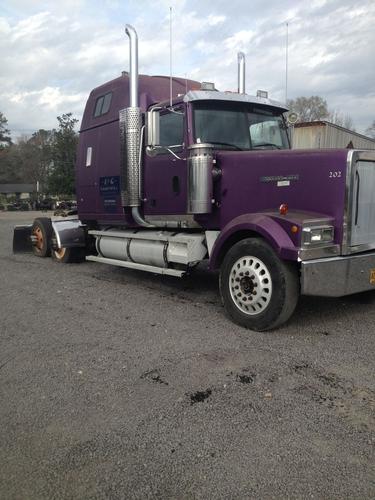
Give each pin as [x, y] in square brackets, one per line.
[171, 172]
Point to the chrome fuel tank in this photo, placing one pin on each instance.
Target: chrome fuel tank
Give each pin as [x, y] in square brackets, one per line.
[152, 248]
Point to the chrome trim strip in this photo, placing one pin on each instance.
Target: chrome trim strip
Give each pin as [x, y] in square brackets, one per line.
[364, 247]
[347, 217]
[318, 252]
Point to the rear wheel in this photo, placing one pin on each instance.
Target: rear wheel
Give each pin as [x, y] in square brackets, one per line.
[68, 255]
[41, 233]
[258, 289]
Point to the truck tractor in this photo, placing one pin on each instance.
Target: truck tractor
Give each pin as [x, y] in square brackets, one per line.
[171, 172]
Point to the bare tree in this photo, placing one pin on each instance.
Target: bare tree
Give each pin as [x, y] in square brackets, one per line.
[338, 118]
[309, 109]
[370, 131]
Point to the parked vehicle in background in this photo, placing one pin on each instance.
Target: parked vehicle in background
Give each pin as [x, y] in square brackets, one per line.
[66, 208]
[22, 206]
[46, 204]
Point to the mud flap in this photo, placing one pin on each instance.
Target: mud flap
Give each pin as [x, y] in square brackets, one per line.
[22, 239]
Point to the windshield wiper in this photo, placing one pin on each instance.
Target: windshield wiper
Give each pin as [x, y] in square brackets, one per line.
[262, 144]
[225, 144]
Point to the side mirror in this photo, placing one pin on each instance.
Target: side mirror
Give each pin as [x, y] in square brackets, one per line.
[152, 130]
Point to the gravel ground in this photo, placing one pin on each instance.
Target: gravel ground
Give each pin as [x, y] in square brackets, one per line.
[118, 384]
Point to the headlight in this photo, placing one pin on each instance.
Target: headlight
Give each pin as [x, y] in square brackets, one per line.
[317, 235]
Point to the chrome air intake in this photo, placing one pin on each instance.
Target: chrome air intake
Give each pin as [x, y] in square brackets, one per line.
[200, 179]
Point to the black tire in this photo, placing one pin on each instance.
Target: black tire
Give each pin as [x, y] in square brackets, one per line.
[68, 255]
[42, 232]
[259, 298]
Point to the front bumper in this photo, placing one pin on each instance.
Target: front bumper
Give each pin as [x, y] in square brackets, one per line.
[338, 276]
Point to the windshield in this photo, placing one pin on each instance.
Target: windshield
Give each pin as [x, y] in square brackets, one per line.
[241, 126]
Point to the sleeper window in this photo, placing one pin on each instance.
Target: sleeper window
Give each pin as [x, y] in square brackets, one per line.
[103, 104]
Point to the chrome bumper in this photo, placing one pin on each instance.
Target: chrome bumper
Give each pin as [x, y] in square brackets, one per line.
[338, 276]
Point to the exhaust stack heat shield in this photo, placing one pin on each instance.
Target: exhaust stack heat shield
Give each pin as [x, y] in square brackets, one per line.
[130, 127]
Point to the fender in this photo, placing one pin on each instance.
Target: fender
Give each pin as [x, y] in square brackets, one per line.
[69, 233]
[262, 224]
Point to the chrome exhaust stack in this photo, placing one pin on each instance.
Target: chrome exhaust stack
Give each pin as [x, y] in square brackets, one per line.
[241, 73]
[130, 133]
[133, 63]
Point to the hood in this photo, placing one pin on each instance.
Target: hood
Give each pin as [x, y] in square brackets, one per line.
[311, 181]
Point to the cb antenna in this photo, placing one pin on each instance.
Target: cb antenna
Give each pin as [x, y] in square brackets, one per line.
[170, 56]
[286, 60]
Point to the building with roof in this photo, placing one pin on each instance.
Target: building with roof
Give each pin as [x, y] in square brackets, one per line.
[21, 191]
[323, 134]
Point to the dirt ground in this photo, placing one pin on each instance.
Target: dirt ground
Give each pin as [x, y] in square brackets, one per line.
[117, 384]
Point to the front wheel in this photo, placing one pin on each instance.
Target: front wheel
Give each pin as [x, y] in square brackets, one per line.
[258, 289]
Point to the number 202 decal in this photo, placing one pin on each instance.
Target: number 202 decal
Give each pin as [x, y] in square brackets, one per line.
[335, 175]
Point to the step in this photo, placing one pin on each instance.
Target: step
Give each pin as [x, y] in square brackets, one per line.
[134, 265]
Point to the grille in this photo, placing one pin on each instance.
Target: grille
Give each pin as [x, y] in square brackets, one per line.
[363, 213]
[360, 204]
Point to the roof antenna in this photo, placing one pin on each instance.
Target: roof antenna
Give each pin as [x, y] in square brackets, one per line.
[286, 60]
[170, 56]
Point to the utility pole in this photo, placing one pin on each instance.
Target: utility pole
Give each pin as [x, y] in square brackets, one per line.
[170, 56]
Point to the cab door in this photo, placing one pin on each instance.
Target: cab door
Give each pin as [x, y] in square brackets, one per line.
[165, 175]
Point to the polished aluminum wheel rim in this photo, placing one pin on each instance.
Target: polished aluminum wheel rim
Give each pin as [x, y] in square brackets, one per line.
[250, 285]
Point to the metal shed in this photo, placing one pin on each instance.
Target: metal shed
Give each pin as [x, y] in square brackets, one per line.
[322, 134]
[22, 191]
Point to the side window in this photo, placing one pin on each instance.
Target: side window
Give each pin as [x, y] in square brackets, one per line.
[172, 130]
[103, 104]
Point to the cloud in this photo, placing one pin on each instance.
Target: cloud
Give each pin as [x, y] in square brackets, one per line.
[215, 20]
[54, 53]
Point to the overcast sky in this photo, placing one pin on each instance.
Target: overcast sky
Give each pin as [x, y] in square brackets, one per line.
[54, 52]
